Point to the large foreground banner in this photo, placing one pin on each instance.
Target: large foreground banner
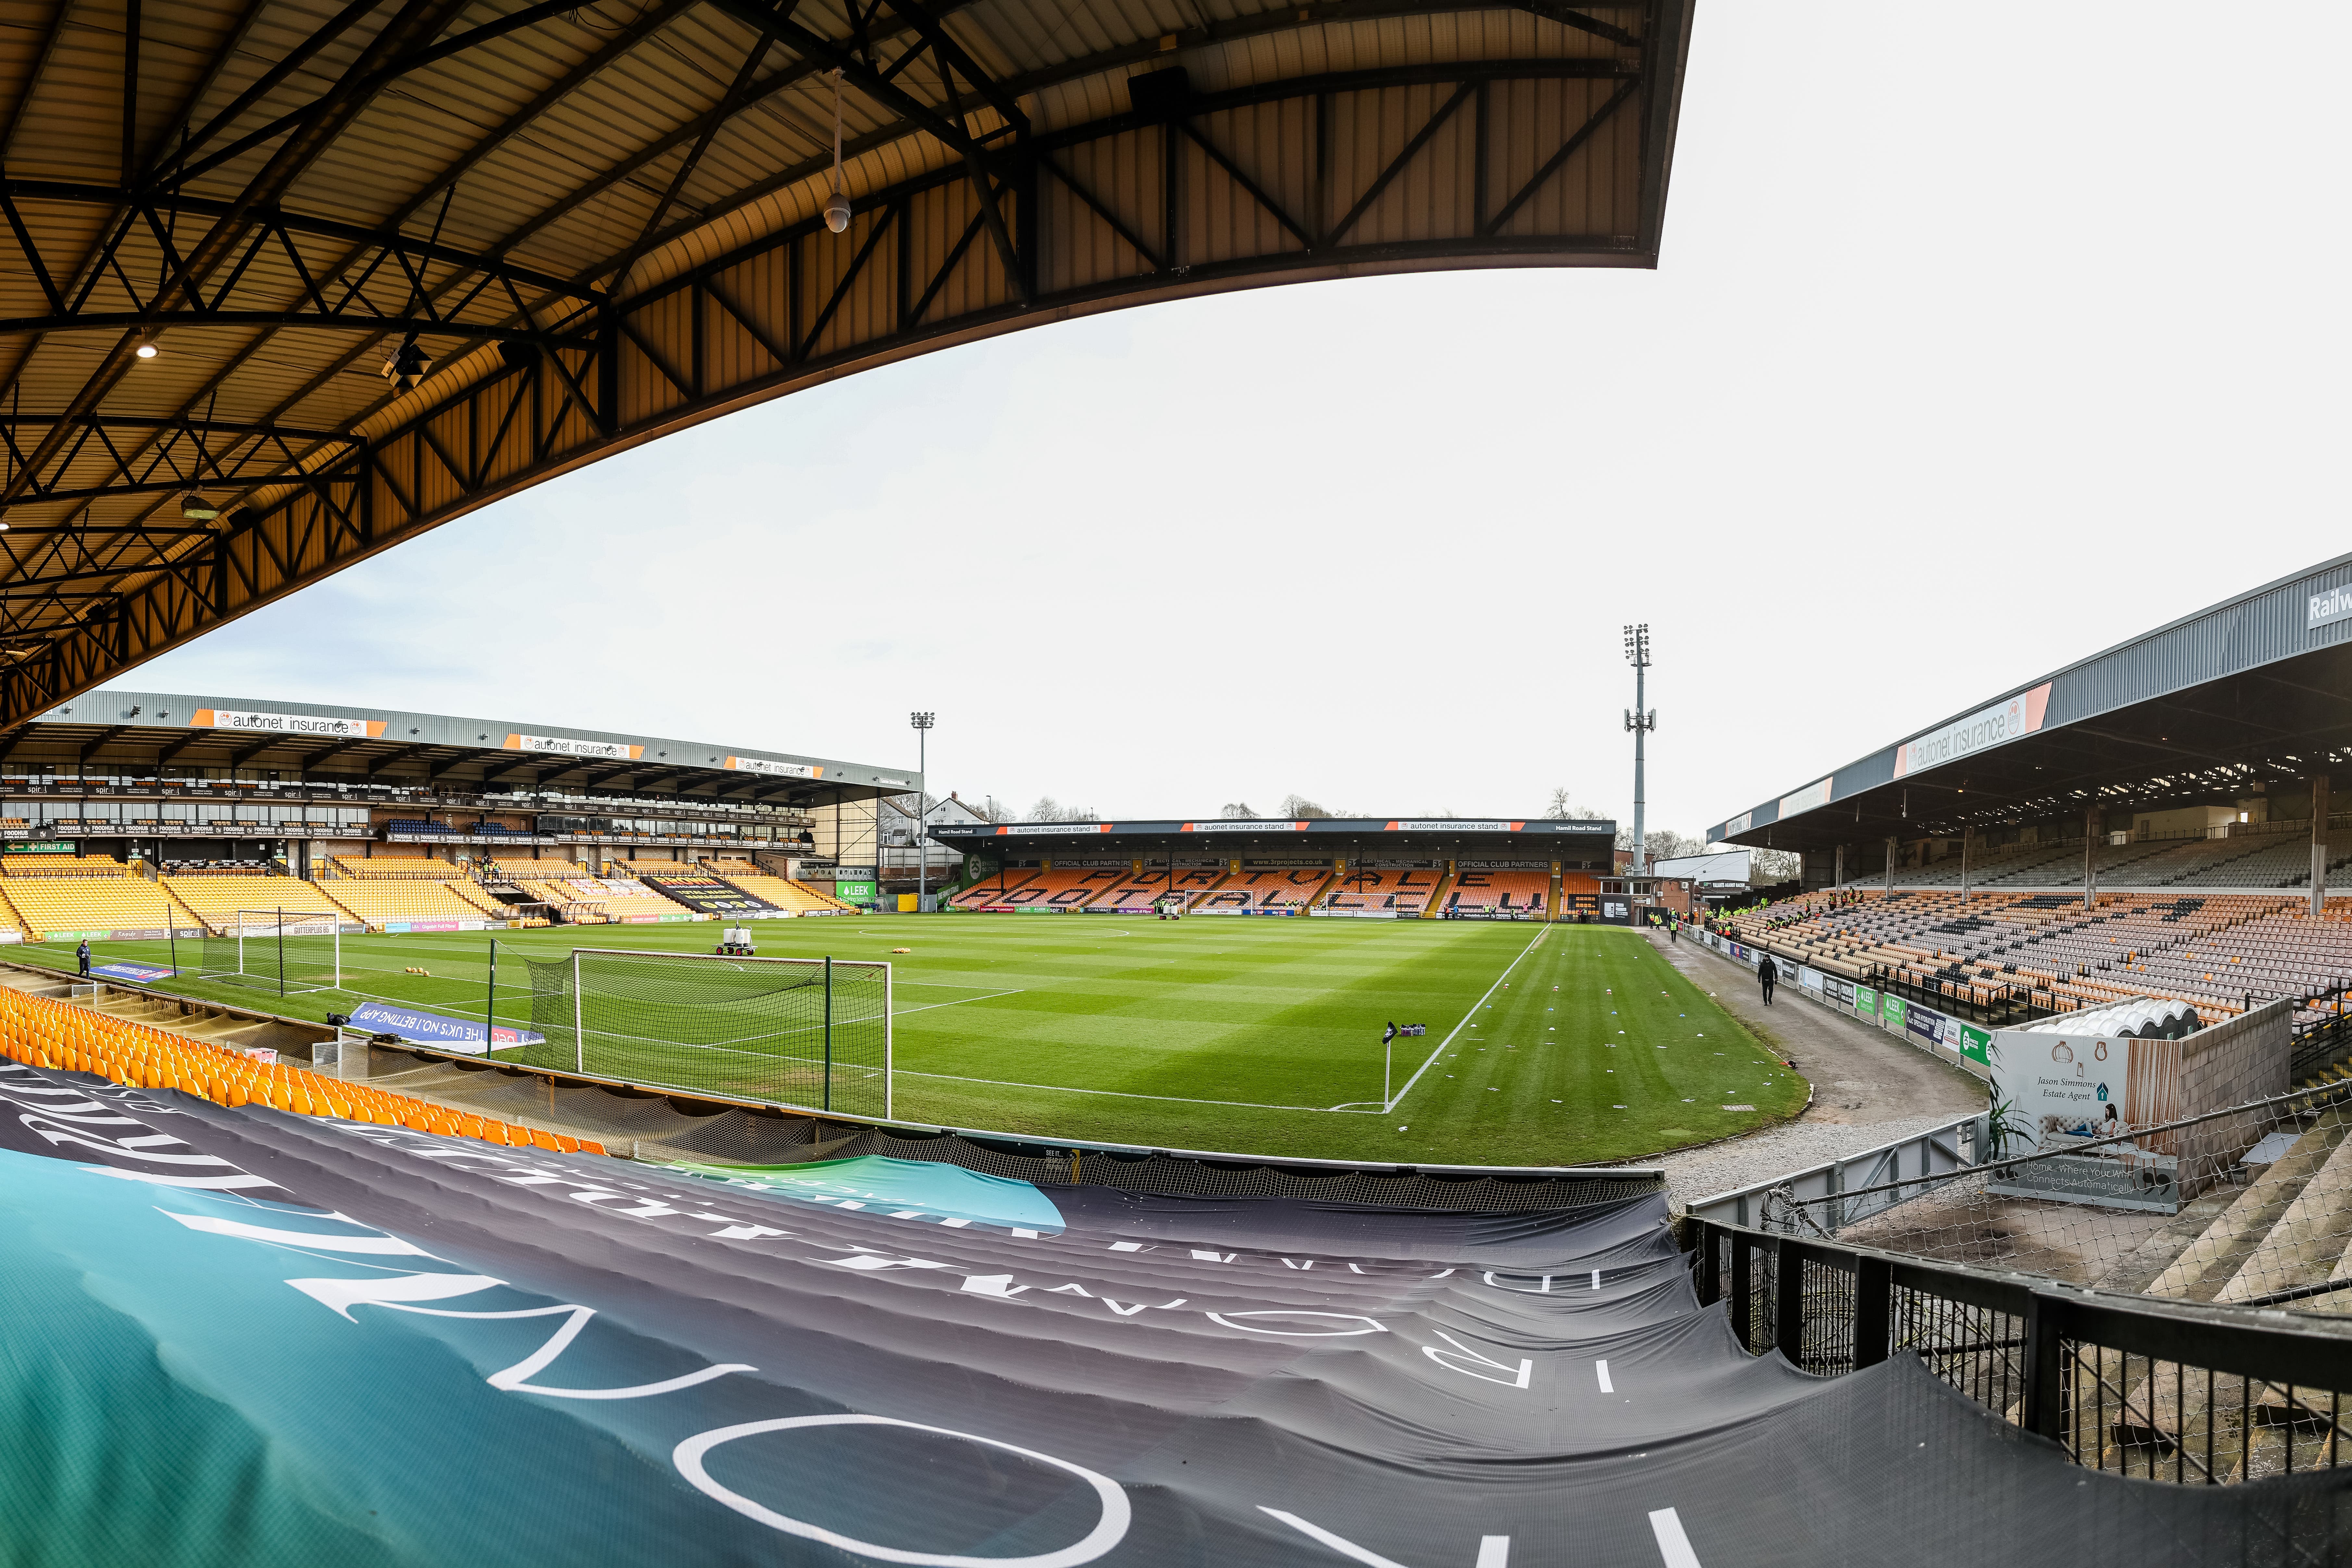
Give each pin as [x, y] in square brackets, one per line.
[247, 1337]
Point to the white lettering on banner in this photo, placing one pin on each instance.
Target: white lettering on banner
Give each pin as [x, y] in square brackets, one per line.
[560, 746]
[2328, 607]
[2004, 721]
[1029, 827]
[1494, 1550]
[1110, 1527]
[285, 723]
[1245, 825]
[1373, 1325]
[1461, 825]
[782, 770]
[1461, 1356]
[1739, 823]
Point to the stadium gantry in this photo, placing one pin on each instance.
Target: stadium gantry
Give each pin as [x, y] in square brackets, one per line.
[288, 285]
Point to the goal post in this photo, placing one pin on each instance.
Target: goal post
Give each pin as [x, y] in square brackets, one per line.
[815, 1033]
[285, 950]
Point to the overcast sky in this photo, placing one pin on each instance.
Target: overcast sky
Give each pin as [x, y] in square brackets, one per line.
[1981, 341]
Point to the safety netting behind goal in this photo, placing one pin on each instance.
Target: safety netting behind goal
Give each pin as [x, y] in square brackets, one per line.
[807, 1032]
[284, 951]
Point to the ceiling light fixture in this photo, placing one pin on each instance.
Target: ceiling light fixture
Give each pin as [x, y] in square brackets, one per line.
[836, 206]
[196, 509]
[145, 350]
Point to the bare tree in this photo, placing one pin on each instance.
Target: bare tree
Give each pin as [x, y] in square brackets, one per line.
[1297, 807]
[1237, 811]
[995, 810]
[1048, 809]
[1559, 810]
[1766, 867]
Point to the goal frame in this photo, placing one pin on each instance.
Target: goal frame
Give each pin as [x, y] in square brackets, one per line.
[889, 1007]
[274, 926]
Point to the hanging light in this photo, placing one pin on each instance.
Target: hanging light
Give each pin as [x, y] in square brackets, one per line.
[406, 365]
[836, 206]
[196, 509]
[145, 350]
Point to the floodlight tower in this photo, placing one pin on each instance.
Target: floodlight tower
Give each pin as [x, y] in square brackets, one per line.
[922, 723]
[1640, 721]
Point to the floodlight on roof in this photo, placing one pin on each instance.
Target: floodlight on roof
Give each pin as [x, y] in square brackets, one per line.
[406, 365]
[196, 509]
[145, 350]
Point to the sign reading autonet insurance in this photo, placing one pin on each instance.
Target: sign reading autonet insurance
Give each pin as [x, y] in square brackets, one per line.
[285, 723]
[2001, 723]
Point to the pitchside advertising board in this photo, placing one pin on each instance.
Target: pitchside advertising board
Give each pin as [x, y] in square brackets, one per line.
[463, 1035]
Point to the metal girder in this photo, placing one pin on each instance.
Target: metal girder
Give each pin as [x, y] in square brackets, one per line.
[1208, 204]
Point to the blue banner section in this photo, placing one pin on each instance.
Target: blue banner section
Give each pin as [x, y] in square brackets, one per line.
[435, 1029]
[142, 974]
[907, 1189]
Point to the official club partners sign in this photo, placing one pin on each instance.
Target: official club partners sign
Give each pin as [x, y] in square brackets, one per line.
[1997, 725]
[253, 720]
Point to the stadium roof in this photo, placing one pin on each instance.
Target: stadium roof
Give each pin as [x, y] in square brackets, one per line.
[601, 224]
[2211, 707]
[1318, 836]
[156, 733]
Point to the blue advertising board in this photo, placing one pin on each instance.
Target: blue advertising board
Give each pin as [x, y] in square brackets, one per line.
[435, 1029]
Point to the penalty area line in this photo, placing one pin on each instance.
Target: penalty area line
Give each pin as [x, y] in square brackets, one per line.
[1457, 1028]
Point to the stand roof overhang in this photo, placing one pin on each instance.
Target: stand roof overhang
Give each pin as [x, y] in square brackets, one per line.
[163, 734]
[2235, 699]
[222, 223]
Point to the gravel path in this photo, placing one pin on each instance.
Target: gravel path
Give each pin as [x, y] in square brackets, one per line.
[1760, 1156]
[1869, 1087]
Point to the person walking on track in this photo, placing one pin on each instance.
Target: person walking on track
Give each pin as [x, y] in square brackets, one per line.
[1767, 972]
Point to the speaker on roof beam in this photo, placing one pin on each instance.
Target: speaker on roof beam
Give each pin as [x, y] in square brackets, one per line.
[1160, 92]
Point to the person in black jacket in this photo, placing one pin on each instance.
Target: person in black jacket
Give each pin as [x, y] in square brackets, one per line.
[1767, 972]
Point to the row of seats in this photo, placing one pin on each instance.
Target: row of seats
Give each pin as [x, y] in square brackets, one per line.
[529, 867]
[799, 898]
[1402, 891]
[216, 900]
[61, 866]
[2249, 858]
[395, 867]
[1406, 891]
[384, 901]
[1521, 892]
[2218, 952]
[623, 899]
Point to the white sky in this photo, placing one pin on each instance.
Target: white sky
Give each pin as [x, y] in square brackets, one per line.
[1983, 340]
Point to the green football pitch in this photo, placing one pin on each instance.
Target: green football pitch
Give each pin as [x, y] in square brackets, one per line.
[1544, 1045]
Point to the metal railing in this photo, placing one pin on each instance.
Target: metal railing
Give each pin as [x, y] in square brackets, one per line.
[1877, 1179]
[2169, 1391]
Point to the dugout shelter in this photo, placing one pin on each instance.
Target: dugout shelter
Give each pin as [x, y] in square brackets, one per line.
[1343, 867]
[2197, 756]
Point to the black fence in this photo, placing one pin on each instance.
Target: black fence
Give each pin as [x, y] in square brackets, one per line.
[2169, 1391]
